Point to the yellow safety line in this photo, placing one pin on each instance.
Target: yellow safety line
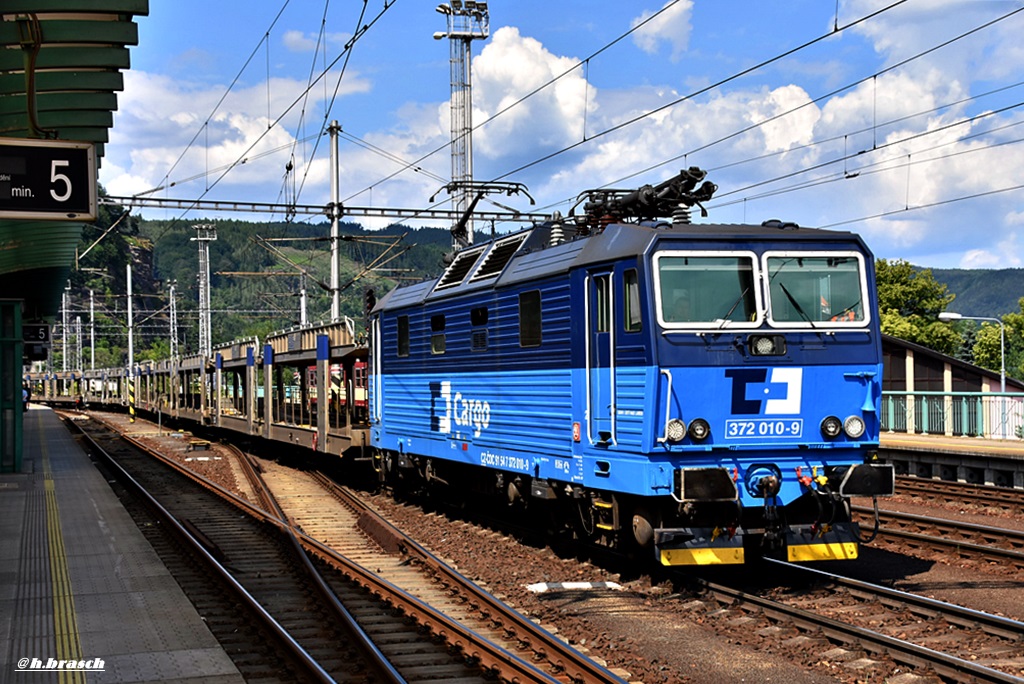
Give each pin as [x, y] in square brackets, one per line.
[65, 624]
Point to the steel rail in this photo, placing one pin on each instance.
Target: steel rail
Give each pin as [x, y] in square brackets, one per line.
[314, 670]
[921, 605]
[1003, 497]
[944, 665]
[490, 655]
[576, 665]
[385, 669]
[953, 527]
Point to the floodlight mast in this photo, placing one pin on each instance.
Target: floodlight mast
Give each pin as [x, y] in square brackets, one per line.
[205, 234]
[467, 21]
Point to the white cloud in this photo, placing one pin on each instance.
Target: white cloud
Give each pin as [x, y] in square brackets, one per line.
[672, 26]
[1003, 255]
[795, 128]
[510, 67]
[168, 139]
[297, 41]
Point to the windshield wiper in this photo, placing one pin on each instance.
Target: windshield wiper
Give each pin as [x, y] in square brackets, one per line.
[796, 305]
[726, 318]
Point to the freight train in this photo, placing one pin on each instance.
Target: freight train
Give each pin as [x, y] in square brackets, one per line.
[696, 393]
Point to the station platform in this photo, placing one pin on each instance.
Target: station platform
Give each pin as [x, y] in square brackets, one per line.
[976, 446]
[79, 582]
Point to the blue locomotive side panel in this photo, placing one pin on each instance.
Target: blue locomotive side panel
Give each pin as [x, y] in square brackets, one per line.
[633, 385]
[439, 404]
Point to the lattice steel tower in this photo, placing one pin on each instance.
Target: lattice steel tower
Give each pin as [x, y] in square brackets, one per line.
[205, 234]
[467, 20]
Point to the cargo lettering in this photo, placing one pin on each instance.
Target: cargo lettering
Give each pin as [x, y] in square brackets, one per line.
[463, 411]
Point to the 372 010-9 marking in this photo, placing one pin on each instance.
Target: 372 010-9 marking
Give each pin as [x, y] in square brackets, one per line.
[748, 428]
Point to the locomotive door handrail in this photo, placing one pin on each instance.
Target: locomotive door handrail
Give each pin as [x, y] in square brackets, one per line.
[668, 406]
[588, 320]
[377, 353]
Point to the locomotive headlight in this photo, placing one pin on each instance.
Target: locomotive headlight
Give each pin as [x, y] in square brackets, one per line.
[854, 427]
[675, 430]
[831, 427]
[699, 429]
[767, 345]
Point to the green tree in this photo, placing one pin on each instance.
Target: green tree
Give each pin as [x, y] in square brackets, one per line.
[909, 302]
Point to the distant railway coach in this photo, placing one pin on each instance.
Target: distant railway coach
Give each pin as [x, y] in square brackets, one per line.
[703, 392]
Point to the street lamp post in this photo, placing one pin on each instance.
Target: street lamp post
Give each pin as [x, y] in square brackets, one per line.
[949, 316]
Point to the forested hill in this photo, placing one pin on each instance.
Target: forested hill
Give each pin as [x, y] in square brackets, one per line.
[983, 292]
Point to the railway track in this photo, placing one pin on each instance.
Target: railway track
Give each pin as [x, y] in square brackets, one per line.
[244, 557]
[955, 539]
[849, 620]
[1000, 498]
[319, 639]
[345, 526]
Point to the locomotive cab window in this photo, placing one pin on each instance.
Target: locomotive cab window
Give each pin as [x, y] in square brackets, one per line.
[707, 289]
[632, 319]
[816, 289]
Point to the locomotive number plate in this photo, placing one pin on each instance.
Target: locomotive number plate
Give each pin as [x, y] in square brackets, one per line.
[764, 427]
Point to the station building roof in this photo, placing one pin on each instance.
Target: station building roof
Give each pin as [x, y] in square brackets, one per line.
[928, 368]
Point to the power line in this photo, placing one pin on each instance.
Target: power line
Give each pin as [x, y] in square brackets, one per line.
[361, 31]
[836, 91]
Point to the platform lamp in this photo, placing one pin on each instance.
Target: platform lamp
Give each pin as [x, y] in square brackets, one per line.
[949, 316]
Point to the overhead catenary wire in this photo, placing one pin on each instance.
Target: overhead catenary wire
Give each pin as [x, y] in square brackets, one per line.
[836, 27]
[363, 28]
[834, 92]
[585, 139]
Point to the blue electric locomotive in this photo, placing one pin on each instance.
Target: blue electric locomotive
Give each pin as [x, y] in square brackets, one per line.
[700, 391]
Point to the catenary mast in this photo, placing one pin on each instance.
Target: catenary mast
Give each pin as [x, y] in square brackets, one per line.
[467, 21]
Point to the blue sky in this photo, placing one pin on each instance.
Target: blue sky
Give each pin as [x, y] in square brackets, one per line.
[896, 126]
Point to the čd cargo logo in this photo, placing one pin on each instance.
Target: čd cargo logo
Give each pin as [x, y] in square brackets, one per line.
[755, 394]
[462, 412]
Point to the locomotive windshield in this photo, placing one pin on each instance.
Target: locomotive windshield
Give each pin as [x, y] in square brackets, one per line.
[814, 288]
[703, 288]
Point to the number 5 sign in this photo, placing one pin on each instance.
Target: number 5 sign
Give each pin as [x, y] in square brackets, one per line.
[47, 180]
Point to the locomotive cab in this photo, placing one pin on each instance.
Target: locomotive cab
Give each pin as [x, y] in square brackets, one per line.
[774, 323]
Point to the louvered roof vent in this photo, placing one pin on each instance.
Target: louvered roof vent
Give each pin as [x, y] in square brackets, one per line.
[459, 268]
[499, 256]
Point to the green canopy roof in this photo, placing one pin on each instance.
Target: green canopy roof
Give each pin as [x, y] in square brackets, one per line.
[60, 70]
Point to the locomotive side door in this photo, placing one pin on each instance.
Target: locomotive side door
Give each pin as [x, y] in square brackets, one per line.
[600, 358]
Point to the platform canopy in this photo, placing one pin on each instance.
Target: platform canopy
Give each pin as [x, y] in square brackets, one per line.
[61, 66]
